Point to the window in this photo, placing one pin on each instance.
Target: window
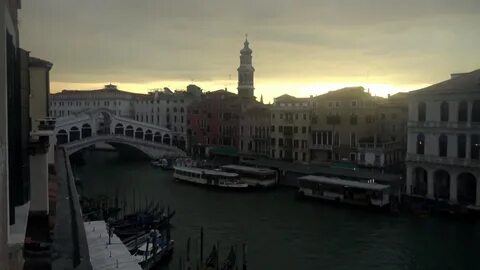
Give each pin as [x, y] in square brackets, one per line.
[353, 140]
[273, 116]
[272, 129]
[475, 147]
[442, 145]
[295, 143]
[353, 120]
[422, 111]
[444, 111]
[272, 142]
[273, 153]
[296, 155]
[280, 128]
[336, 139]
[461, 145]
[296, 116]
[174, 109]
[352, 156]
[463, 111]
[304, 116]
[368, 119]
[304, 157]
[420, 144]
[330, 104]
[280, 142]
[362, 157]
[304, 130]
[377, 159]
[281, 116]
[476, 111]
[354, 103]
[295, 129]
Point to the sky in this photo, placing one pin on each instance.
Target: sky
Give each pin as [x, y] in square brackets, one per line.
[300, 47]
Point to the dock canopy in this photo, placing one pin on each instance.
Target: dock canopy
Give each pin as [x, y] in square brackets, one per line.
[342, 182]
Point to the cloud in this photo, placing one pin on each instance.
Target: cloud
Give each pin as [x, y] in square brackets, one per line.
[318, 41]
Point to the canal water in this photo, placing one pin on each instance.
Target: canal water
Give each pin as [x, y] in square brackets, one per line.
[282, 232]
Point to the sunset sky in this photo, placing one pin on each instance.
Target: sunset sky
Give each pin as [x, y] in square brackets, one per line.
[300, 47]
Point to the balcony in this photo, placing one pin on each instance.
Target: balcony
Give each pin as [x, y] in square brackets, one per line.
[379, 146]
[440, 124]
[452, 161]
[321, 147]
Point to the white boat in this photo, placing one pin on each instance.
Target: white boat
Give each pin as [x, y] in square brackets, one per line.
[142, 256]
[255, 177]
[209, 177]
[345, 191]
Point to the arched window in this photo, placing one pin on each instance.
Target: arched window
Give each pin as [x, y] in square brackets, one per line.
[420, 144]
[442, 145]
[463, 111]
[444, 110]
[422, 111]
[476, 111]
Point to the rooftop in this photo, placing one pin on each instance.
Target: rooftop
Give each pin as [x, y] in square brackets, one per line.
[464, 82]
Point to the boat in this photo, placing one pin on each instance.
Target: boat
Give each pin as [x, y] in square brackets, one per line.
[155, 163]
[254, 177]
[215, 178]
[344, 191]
[148, 258]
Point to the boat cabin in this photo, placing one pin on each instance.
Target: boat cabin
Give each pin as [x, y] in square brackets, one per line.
[347, 191]
[253, 176]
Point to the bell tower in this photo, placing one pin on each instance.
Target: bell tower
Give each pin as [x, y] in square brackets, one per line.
[245, 72]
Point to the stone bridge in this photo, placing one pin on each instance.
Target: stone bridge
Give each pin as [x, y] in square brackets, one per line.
[84, 129]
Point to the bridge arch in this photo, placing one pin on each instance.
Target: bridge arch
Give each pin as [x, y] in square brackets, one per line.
[129, 131]
[62, 136]
[148, 135]
[157, 137]
[74, 134]
[86, 131]
[139, 133]
[166, 139]
[149, 148]
[119, 129]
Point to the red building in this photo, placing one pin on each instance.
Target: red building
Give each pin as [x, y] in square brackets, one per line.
[214, 120]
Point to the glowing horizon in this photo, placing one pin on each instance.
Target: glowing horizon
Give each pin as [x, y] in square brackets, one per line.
[268, 90]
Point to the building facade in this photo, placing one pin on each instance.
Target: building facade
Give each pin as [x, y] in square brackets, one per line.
[290, 129]
[110, 97]
[351, 125]
[255, 126]
[443, 155]
[39, 70]
[17, 144]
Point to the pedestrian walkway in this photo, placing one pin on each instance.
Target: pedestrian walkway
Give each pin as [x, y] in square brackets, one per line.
[107, 255]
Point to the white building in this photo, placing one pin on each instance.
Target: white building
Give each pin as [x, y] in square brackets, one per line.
[70, 101]
[444, 141]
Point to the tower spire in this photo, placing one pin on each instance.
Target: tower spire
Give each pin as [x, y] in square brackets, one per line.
[245, 71]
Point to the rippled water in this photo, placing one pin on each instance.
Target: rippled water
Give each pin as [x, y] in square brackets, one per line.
[284, 233]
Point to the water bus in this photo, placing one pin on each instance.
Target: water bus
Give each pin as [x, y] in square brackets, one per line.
[345, 191]
[255, 177]
[209, 177]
